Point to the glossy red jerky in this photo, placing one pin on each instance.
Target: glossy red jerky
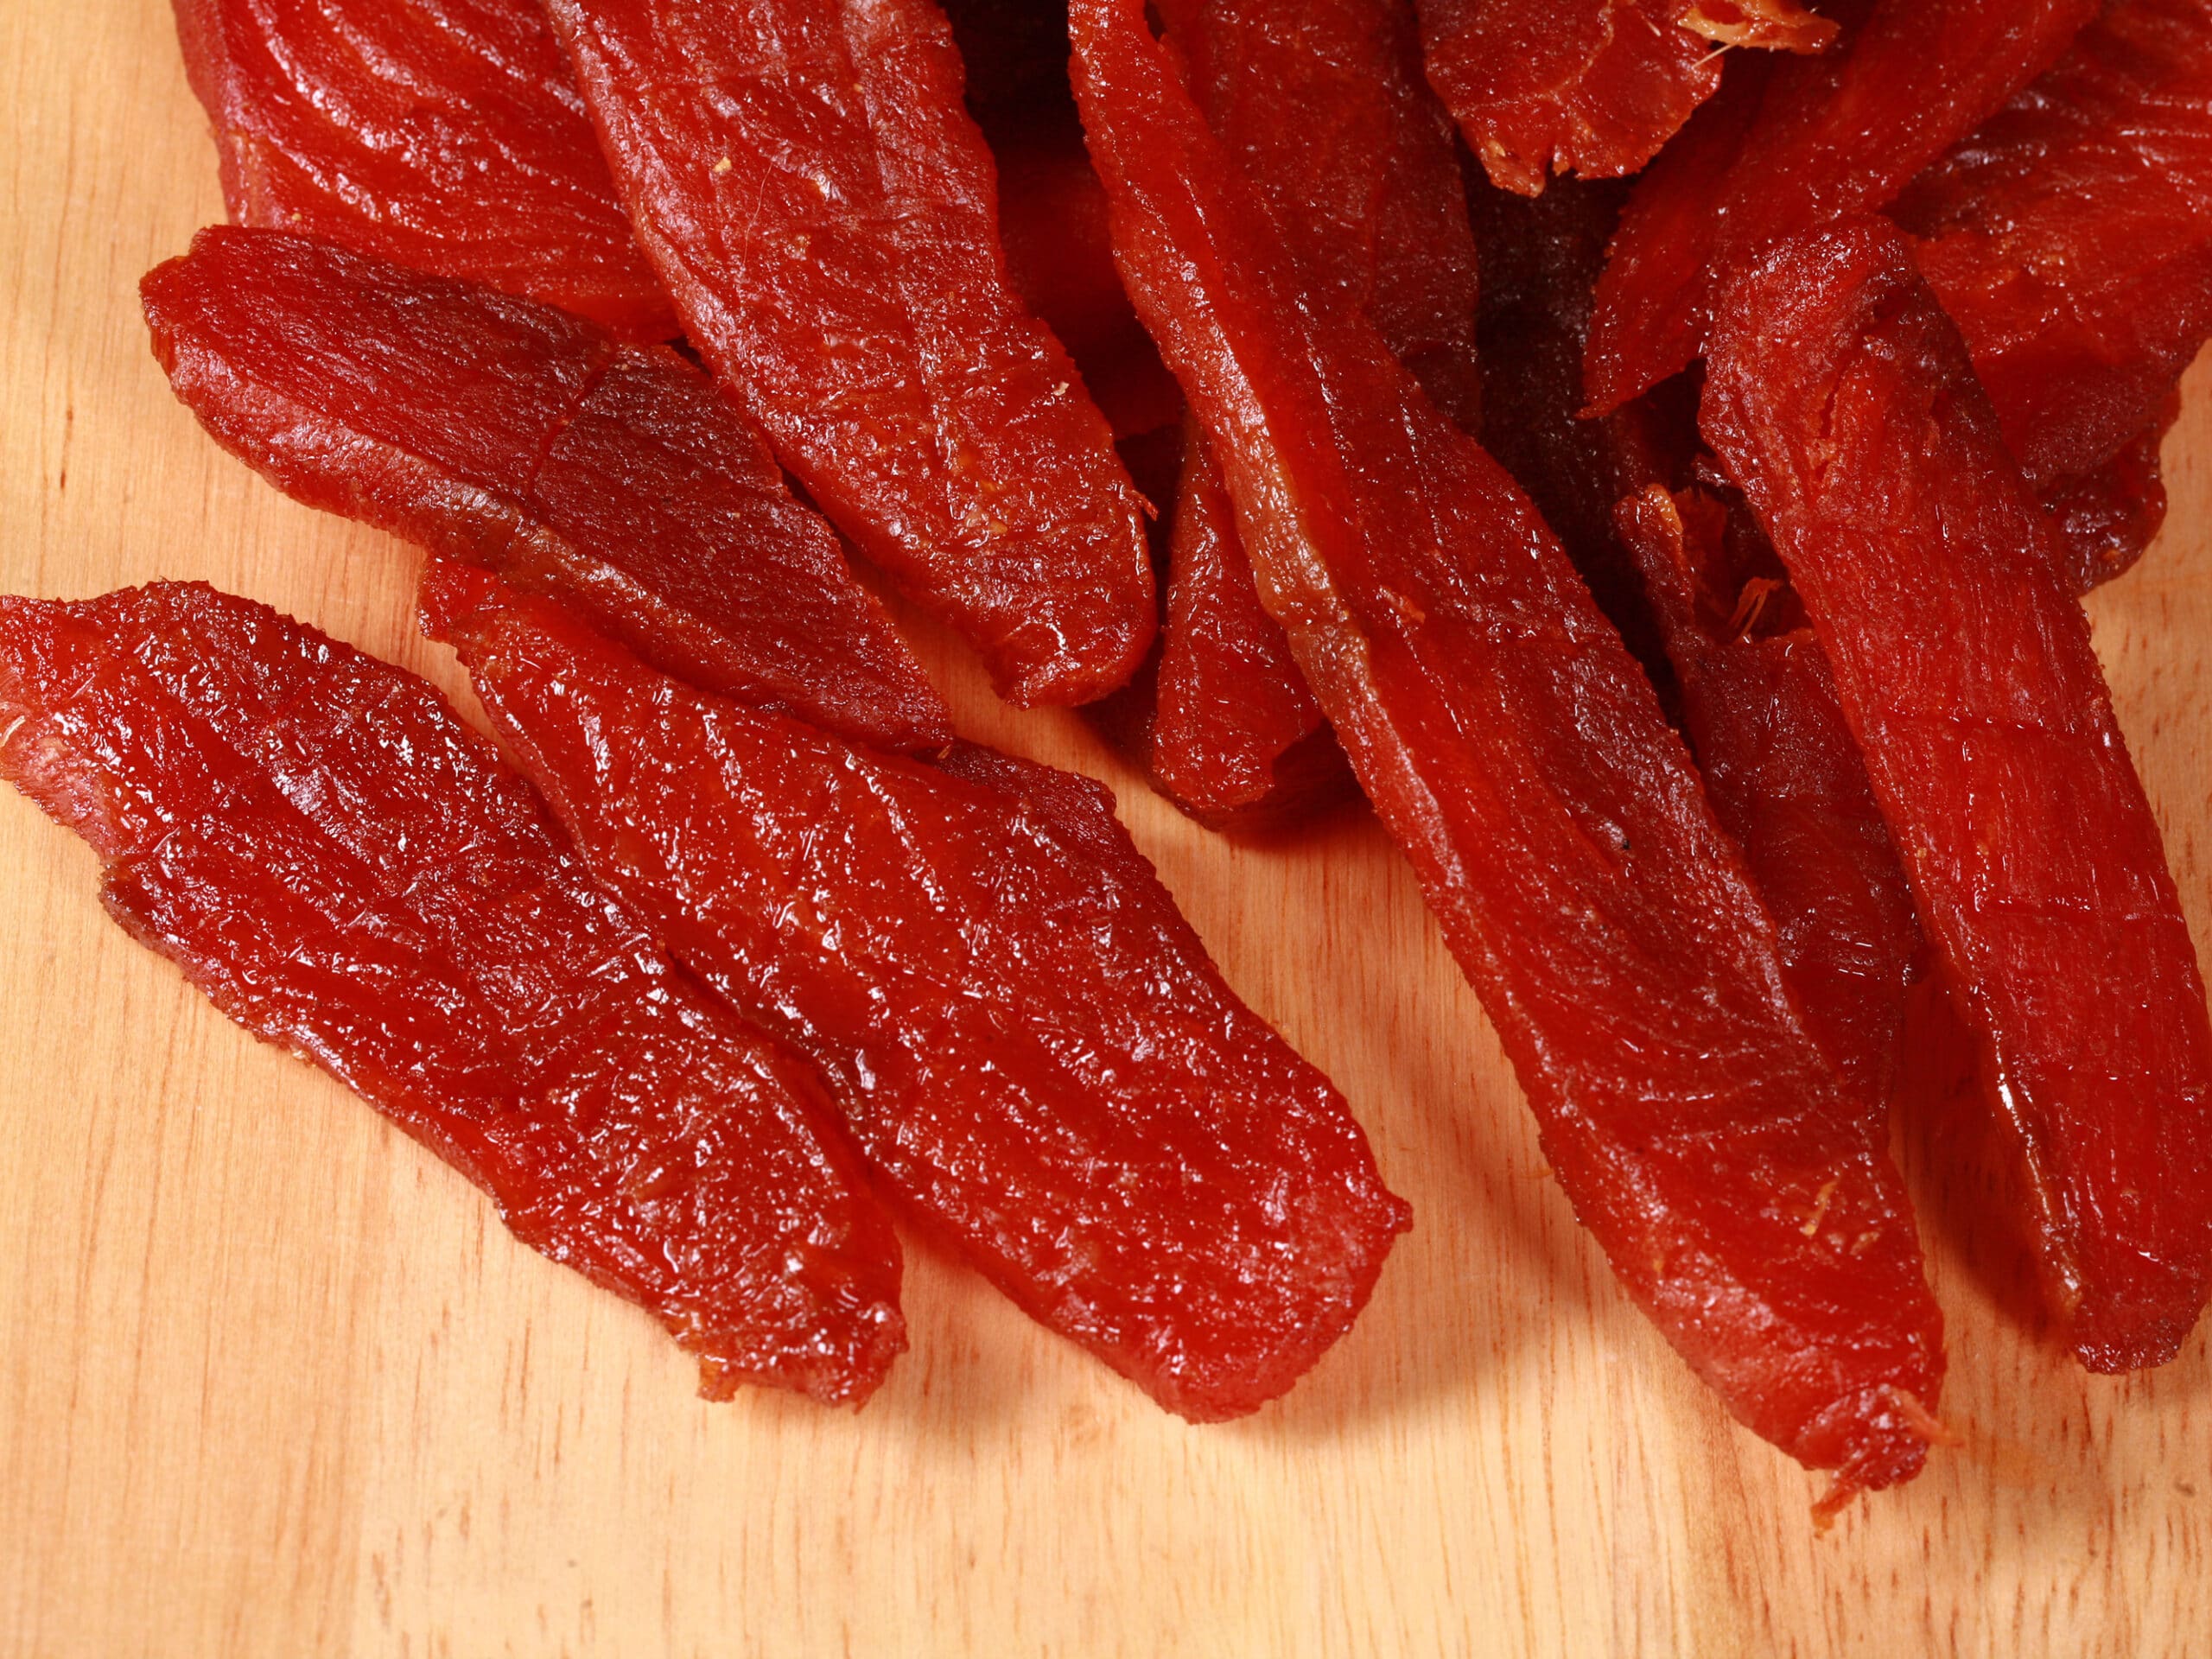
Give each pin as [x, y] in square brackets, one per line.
[1814, 139]
[351, 873]
[1332, 123]
[447, 135]
[1031, 1046]
[2071, 237]
[1590, 86]
[1752, 692]
[1558, 831]
[1237, 739]
[613, 477]
[1844, 401]
[1785, 779]
[821, 207]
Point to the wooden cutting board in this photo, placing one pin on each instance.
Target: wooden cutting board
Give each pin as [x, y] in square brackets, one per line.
[274, 1381]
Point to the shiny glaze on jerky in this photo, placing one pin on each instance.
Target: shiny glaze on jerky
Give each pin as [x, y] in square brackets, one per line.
[1558, 831]
[1753, 698]
[822, 209]
[1235, 739]
[613, 477]
[1332, 124]
[351, 873]
[1590, 86]
[447, 135]
[1784, 776]
[2070, 236]
[1844, 401]
[1031, 1046]
[1802, 142]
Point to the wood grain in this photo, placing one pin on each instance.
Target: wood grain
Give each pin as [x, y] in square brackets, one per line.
[273, 1381]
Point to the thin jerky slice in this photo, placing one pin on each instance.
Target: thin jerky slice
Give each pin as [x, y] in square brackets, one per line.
[1590, 86]
[1031, 1046]
[1809, 141]
[1559, 834]
[821, 207]
[613, 477]
[1332, 124]
[1785, 779]
[447, 135]
[2071, 237]
[351, 873]
[1237, 740]
[1844, 401]
[1692, 583]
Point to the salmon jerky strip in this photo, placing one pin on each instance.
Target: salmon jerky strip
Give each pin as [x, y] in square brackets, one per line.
[1332, 123]
[1844, 401]
[1792, 144]
[822, 209]
[527, 441]
[446, 135]
[1511, 747]
[1689, 580]
[2071, 237]
[1031, 1046]
[349, 873]
[1590, 86]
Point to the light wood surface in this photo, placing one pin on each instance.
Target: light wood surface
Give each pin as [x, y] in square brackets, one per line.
[273, 1381]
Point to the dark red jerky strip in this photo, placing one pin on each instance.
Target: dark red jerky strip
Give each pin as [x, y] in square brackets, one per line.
[2071, 237]
[613, 477]
[822, 209]
[1590, 86]
[1784, 776]
[1813, 139]
[1331, 123]
[349, 873]
[1237, 740]
[1031, 1046]
[1558, 831]
[447, 135]
[1844, 401]
[1756, 702]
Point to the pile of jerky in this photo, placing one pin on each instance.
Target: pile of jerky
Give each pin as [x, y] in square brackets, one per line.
[1663, 479]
